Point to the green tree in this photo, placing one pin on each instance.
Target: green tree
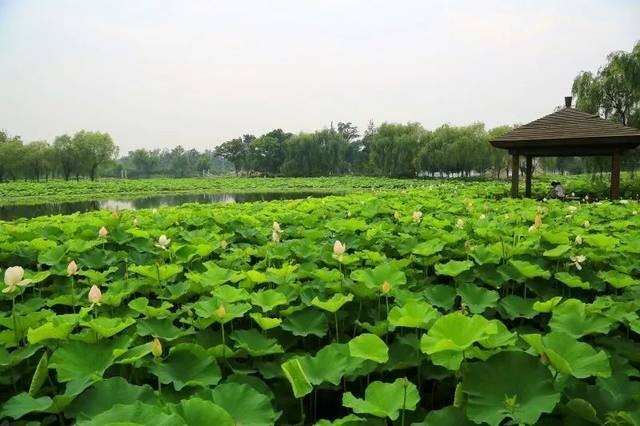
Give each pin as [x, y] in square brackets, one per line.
[394, 148]
[94, 149]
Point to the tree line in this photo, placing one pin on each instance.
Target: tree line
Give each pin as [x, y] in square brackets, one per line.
[68, 156]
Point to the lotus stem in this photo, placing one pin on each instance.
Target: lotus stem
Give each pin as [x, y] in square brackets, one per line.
[73, 294]
[223, 342]
[335, 315]
[404, 403]
[15, 320]
[302, 415]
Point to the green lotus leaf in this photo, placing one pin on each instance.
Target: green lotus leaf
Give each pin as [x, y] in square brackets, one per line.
[369, 346]
[40, 375]
[374, 278]
[255, 344]
[161, 328]
[453, 268]
[484, 255]
[413, 314]
[306, 322]
[187, 364]
[571, 280]
[556, 237]
[334, 303]
[268, 299]
[132, 355]
[22, 404]
[350, 420]
[106, 394]
[601, 241]
[328, 365]
[384, 399]
[429, 248]
[198, 412]
[503, 337]
[512, 307]
[478, 299]
[529, 270]
[456, 332]
[97, 259]
[107, 327]
[141, 304]
[97, 277]
[53, 256]
[618, 279]
[569, 356]
[57, 328]
[548, 305]
[76, 360]
[442, 296]
[256, 277]
[265, 323]
[494, 389]
[209, 308]
[574, 318]
[134, 414]
[584, 410]
[246, 405]
[557, 252]
[447, 416]
[296, 376]
[157, 272]
[230, 294]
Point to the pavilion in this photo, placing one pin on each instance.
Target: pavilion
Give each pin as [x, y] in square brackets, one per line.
[567, 133]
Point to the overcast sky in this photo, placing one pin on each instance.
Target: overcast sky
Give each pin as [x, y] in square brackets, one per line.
[159, 73]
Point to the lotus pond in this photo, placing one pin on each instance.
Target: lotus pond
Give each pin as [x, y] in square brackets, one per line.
[423, 307]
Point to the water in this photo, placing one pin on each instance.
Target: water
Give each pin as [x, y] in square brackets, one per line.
[17, 211]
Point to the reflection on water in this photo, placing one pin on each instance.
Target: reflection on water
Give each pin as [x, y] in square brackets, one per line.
[33, 210]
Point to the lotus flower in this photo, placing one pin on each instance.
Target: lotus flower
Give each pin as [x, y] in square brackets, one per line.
[482, 217]
[577, 261]
[221, 311]
[416, 216]
[102, 233]
[72, 268]
[537, 221]
[460, 224]
[396, 215]
[156, 348]
[578, 240]
[13, 279]
[386, 287]
[163, 242]
[135, 221]
[223, 244]
[95, 295]
[339, 248]
[586, 224]
[275, 232]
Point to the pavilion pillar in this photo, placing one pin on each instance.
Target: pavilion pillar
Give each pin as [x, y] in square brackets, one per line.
[515, 174]
[528, 172]
[614, 191]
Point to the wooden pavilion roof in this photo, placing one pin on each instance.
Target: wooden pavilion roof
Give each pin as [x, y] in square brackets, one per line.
[569, 132]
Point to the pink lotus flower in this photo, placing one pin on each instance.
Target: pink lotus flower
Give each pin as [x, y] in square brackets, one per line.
[95, 295]
[72, 268]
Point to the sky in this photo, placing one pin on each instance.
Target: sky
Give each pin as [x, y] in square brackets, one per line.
[160, 73]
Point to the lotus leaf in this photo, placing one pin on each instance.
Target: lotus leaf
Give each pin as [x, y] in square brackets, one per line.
[187, 364]
[369, 346]
[494, 389]
[384, 399]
